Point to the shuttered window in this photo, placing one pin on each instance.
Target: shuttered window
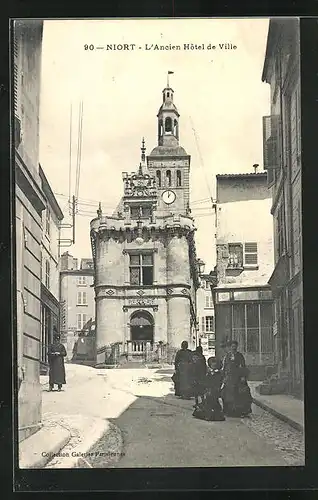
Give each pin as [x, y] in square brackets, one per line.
[250, 254]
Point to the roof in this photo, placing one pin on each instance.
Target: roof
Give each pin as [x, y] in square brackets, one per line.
[49, 195]
[168, 151]
[78, 272]
[248, 175]
[277, 27]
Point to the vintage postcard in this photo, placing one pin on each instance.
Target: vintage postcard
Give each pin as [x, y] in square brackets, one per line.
[158, 180]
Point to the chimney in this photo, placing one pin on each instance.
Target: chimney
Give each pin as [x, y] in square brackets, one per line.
[255, 166]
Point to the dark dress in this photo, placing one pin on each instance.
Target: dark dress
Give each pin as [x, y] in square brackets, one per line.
[235, 392]
[199, 370]
[182, 378]
[210, 408]
[56, 364]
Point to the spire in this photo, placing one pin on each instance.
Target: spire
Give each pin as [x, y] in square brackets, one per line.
[142, 164]
[143, 151]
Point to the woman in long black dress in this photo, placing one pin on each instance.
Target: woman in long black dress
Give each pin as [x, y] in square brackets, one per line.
[56, 355]
[235, 392]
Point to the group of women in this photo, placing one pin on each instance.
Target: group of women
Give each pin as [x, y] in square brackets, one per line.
[213, 381]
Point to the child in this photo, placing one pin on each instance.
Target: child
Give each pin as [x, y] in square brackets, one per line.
[210, 408]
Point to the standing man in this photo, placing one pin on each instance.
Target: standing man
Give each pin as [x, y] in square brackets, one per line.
[56, 355]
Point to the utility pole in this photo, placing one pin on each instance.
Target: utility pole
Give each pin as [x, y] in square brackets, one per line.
[73, 216]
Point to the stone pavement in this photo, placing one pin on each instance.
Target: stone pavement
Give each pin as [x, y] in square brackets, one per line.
[134, 412]
[282, 406]
[34, 452]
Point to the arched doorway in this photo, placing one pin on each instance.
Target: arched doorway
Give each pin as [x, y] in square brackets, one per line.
[141, 326]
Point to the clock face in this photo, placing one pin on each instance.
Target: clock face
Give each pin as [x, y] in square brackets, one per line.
[168, 196]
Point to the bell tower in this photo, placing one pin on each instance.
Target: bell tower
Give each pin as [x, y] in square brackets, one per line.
[168, 161]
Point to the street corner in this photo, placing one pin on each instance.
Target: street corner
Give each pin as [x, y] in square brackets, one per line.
[37, 450]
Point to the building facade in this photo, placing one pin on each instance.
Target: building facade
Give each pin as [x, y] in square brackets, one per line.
[205, 316]
[76, 299]
[282, 159]
[30, 202]
[245, 260]
[50, 276]
[146, 273]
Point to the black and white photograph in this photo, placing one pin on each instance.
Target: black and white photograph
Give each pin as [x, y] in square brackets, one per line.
[159, 270]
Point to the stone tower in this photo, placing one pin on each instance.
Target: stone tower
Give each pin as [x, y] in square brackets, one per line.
[145, 262]
[169, 162]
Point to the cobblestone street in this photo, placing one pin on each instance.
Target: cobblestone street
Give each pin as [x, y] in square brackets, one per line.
[149, 427]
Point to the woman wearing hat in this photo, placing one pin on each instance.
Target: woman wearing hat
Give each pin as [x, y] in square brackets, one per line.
[56, 354]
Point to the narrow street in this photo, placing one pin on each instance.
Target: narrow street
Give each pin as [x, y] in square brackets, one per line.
[157, 429]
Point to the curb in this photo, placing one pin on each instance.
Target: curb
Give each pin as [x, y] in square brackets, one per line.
[37, 450]
[71, 457]
[279, 415]
[113, 441]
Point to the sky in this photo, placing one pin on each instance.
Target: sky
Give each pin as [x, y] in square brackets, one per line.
[218, 92]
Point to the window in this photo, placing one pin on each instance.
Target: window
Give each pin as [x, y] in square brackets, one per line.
[168, 94]
[175, 128]
[211, 340]
[207, 285]
[250, 254]
[158, 177]
[208, 301]
[81, 321]
[168, 178]
[47, 274]
[280, 227]
[15, 87]
[252, 327]
[141, 269]
[81, 298]
[235, 256]
[47, 222]
[209, 324]
[178, 178]
[140, 212]
[168, 124]
[81, 280]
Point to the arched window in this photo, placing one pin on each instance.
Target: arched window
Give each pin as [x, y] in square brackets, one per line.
[168, 177]
[175, 128]
[168, 124]
[160, 128]
[168, 94]
[178, 178]
[158, 177]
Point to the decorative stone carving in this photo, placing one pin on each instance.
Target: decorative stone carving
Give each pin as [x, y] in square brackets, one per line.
[140, 292]
[110, 292]
[142, 301]
[184, 291]
[169, 291]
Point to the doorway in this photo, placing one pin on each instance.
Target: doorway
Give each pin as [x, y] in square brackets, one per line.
[141, 327]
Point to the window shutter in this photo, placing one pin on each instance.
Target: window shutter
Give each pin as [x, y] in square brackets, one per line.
[203, 324]
[271, 146]
[250, 251]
